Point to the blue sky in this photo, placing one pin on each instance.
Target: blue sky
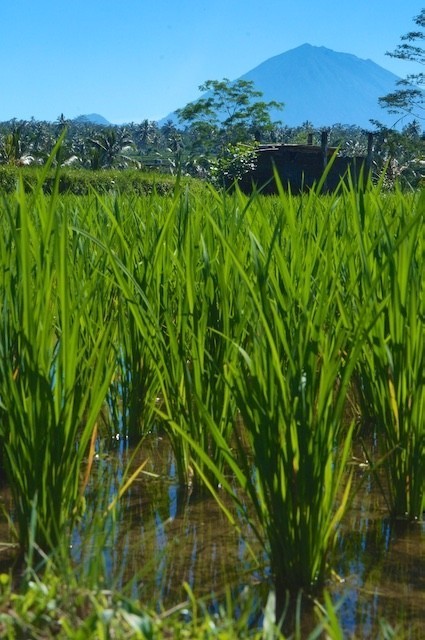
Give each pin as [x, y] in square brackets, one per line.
[135, 59]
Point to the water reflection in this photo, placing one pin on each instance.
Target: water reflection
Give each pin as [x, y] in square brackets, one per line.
[161, 536]
[382, 563]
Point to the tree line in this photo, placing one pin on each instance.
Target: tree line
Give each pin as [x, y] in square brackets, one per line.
[197, 149]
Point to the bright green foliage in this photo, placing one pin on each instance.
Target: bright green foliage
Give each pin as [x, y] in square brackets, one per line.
[391, 284]
[290, 382]
[267, 321]
[54, 366]
[126, 234]
[176, 320]
[197, 337]
[228, 116]
[234, 322]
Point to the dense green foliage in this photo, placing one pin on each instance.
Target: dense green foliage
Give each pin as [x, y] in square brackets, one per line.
[231, 112]
[238, 325]
[199, 146]
[62, 609]
[82, 182]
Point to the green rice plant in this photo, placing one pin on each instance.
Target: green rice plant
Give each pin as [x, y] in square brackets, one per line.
[210, 306]
[392, 366]
[291, 391]
[172, 315]
[54, 368]
[290, 383]
[133, 231]
[176, 313]
[139, 243]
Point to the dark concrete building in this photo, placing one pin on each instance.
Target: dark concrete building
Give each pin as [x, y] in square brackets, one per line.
[300, 166]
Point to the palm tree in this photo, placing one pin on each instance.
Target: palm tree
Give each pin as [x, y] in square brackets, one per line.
[143, 135]
[13, 149]
[112, 148]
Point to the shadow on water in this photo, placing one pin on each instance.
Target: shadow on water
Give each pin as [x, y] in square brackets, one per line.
[161, 538]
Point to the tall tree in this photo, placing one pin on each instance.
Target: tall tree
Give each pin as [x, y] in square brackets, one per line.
[232, 110]
[409, 97]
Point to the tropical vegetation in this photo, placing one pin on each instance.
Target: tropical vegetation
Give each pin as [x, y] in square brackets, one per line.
[239, 328]
[199, 147]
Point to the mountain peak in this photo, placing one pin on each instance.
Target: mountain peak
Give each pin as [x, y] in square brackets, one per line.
[324, 87]
[93, 118]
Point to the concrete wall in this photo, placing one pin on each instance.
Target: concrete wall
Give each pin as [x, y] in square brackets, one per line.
[299, 167]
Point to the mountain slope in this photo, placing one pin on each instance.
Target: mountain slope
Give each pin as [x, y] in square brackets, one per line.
[324, 87]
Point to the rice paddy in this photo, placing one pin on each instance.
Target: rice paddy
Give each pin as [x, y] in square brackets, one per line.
[261, 336]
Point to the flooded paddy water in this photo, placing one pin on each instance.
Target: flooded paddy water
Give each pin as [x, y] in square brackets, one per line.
[165, 537]
[162, 537]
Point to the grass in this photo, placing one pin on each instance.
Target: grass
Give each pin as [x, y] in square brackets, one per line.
[391, 371]
[289, 380]
[237, 324]
[79, 182]
[54, 608]
[54, 372]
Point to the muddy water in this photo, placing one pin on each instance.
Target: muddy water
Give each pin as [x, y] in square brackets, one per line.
[163, 537]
